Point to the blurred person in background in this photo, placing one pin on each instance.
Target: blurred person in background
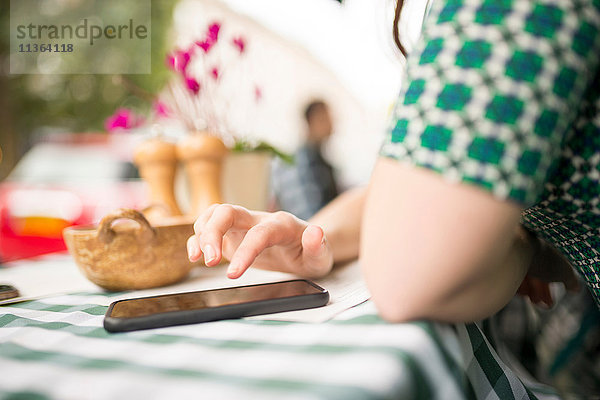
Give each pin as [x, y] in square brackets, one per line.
[309, 184]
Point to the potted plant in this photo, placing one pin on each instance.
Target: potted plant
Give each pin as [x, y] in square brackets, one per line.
[211, 85]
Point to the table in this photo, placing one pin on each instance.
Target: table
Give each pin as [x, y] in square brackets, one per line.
[56, 348]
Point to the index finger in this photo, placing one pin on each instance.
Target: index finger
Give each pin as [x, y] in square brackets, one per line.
[224, 217]
[257, 239]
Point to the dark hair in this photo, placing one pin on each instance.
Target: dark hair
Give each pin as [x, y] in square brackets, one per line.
[312, 107]
[399, 5]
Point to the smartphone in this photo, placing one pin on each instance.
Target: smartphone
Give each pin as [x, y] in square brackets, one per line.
[8, 292]
[212, 305]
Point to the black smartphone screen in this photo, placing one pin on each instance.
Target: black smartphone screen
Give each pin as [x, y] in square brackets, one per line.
[210, 305]
[211, 298]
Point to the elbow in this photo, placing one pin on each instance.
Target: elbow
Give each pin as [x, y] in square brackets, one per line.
[405, 302]
[396, 312]
[398, 300]
[416, 302]
[413, 296]
[403, 295]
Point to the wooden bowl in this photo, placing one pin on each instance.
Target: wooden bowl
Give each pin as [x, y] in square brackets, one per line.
[131, 255]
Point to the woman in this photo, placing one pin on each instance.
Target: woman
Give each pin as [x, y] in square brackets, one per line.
[488, 173]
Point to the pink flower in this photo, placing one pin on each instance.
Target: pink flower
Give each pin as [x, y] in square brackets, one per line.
[257, 94]
[240, 43]
[122, 119]
[213, 32]
[215, 73]
[212, 35]
[161, 110]
[192, 84]
[178, 60]
[205, 45]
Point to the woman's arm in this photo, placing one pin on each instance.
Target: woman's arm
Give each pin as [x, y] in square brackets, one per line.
[341, 220]
[435, 250]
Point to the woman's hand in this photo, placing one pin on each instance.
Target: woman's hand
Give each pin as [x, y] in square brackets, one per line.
[547, 265]
[536, 290]
[274, 241]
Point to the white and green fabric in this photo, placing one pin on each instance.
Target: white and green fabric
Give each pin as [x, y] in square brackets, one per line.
[56, 348]
[505, 95]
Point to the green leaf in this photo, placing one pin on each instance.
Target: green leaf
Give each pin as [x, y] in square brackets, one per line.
[247, 146]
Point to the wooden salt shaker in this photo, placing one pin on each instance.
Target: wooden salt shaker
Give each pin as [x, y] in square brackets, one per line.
[156, 160]
[203, 155]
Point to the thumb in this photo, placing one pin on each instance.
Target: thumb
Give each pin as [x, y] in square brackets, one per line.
[315, 250]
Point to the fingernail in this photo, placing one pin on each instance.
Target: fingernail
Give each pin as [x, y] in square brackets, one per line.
[193, 251]
[209, 253]
[322, 246]
[232, 269]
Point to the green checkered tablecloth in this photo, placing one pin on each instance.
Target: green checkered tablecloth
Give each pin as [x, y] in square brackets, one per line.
[56, 348]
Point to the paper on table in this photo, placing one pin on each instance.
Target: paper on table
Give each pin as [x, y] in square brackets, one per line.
[58, 274]
[346, 289]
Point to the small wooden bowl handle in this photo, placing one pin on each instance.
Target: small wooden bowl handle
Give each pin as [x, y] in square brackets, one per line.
[106, 233]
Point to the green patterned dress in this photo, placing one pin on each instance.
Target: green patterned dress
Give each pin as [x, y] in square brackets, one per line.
[505, 95]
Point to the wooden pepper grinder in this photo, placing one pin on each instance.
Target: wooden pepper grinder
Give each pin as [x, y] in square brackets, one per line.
[203, 155]
[156, 160]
